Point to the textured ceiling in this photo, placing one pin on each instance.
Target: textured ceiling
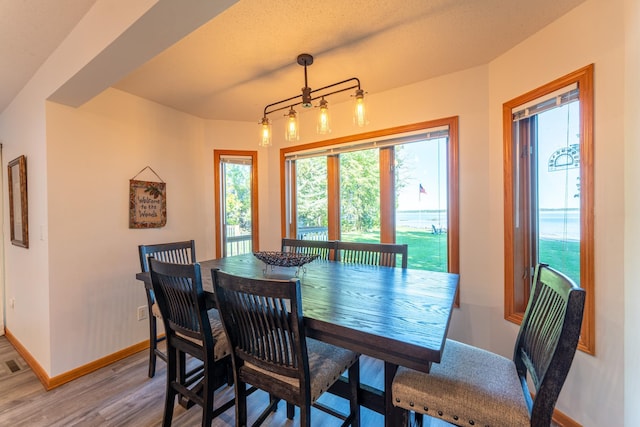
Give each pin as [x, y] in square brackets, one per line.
[245, 58]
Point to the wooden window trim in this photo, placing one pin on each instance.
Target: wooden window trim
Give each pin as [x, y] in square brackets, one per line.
[514, 305]
[333, 203]
[387, 195]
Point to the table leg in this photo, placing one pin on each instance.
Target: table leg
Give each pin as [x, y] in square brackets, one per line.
[393, 416]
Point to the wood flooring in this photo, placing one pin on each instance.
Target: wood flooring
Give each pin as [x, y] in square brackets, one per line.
[121, 394]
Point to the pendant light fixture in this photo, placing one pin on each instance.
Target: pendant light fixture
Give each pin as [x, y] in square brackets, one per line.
[305, 99]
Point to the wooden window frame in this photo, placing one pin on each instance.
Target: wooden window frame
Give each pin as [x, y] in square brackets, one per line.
[217, 185]
[516, 296]
[387, 234]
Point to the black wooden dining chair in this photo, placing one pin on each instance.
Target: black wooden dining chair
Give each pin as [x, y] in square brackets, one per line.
[190, 329]
[177, 253]
[326, 249]
[264, 324]
[471, 386]
[372, 253]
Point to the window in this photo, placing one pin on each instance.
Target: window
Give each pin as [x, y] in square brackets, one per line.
[397, 185]
[360, 195]
[236, 202]
[422, 203]
[548, 152]
[311, 198]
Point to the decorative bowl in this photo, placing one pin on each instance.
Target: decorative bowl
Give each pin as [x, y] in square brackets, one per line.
[284, 259]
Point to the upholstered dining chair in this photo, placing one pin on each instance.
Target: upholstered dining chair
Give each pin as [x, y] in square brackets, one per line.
[326, 249]
[372, 253]
[190, 329]
[174, 252]
[264, 324]
[471, 386]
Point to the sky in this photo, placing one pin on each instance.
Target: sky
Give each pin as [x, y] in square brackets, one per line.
[420, 166]
[558, 128]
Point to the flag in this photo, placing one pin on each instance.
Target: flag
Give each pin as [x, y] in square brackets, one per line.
[421, 191]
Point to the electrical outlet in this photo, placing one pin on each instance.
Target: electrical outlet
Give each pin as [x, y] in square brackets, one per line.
[142, 312]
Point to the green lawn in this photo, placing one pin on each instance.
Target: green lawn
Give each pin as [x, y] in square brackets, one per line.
[428, 251]
[563, 256]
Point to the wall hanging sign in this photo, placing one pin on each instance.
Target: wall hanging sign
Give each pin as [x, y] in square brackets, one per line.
[147, 202]
[18, 212]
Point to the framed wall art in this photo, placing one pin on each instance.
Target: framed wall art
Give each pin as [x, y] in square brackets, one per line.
[147, 203]
[18, 207]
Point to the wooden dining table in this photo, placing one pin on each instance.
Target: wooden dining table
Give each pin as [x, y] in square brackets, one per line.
[400, 316]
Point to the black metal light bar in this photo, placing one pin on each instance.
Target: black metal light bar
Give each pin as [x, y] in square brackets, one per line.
[307, 94]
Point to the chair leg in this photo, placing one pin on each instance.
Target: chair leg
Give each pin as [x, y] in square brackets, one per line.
[305, 415]
[229, 368]
[241, 404]
[417, 419]
[183, 377]
[170, 394]
[291, 408]
[182, 367]
[208, 394]
[354, 385]
[153, 344]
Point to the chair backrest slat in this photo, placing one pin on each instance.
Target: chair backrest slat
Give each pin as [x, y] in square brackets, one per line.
[263, 320]
[326, 249]
[179, 293]
[384, 254]
[174, 253]
[548, 338]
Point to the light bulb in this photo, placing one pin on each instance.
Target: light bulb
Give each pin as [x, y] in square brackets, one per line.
[323, 118]
[291, 132]
[265, 136]
[359, 113]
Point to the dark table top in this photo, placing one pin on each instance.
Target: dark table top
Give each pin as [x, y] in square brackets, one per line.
[397, 315]
[400, 316]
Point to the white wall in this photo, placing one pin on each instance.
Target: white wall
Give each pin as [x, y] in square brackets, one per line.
[2, 299]
[25, 270]
[632, 213]
[93, 152]
[591, 33]
[22, 130]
